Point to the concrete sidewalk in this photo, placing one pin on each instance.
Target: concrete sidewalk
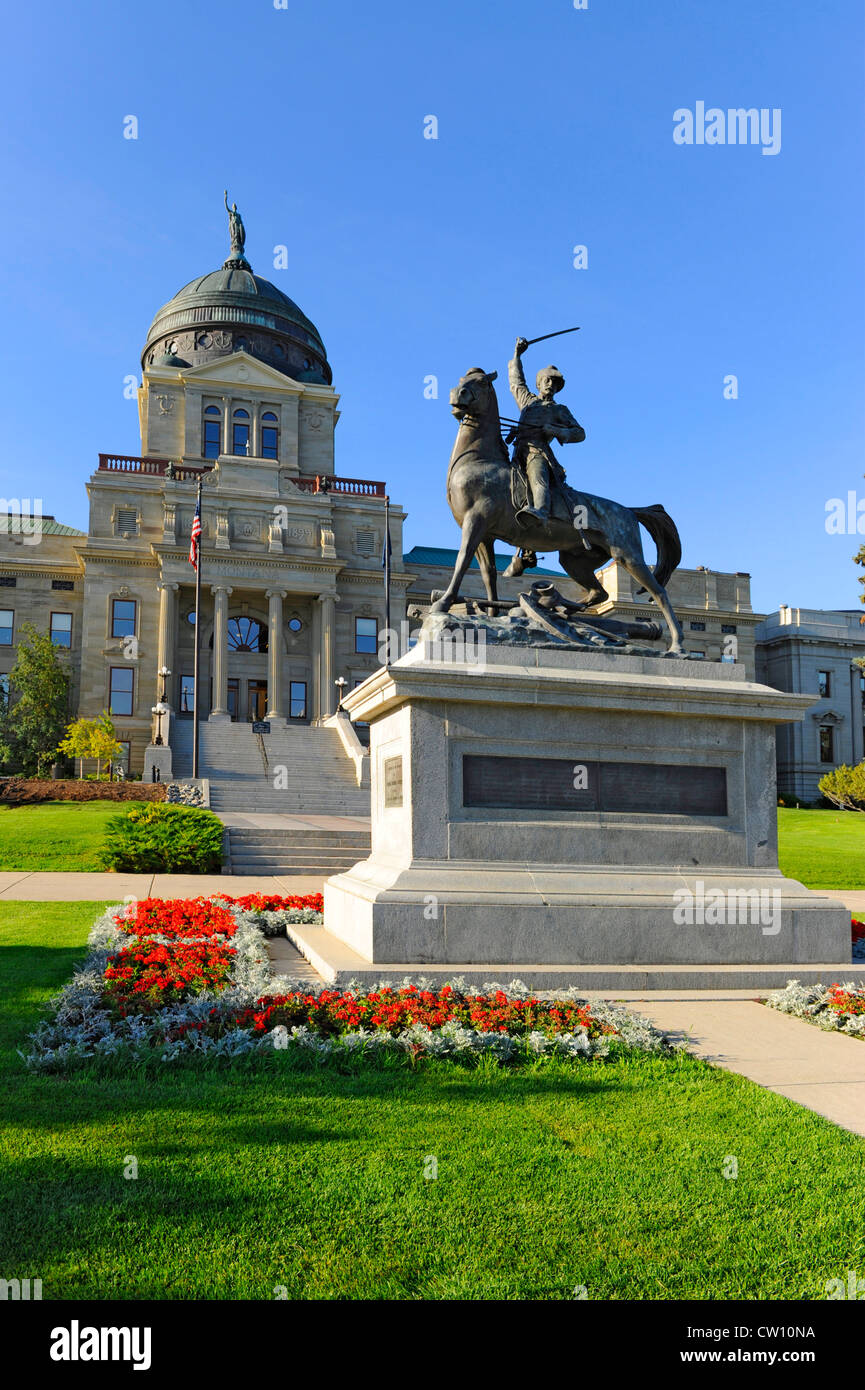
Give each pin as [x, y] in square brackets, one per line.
[99, 887]
[825, 1072]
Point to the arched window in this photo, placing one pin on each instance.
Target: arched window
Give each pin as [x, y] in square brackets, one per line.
[240, 432]
[212, 432]
[246, 635]
[269, 436]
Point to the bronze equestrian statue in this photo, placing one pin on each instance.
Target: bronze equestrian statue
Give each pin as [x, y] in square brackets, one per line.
[484, 494]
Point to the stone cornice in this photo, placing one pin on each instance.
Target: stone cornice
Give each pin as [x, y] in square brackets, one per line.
[594, 682]
[60, 571]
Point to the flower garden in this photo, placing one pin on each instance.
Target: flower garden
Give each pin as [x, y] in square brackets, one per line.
[835, 1008]
[191, 977]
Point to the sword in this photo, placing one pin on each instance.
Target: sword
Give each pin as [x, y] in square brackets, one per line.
[544, 336]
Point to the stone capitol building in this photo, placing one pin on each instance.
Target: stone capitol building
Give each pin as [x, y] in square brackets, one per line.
[237, 391]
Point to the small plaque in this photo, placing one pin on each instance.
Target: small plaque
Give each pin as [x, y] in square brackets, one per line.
[261, 726]
[392, 769]
[571, 784]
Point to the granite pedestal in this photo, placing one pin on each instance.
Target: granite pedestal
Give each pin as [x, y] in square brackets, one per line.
[571, 808]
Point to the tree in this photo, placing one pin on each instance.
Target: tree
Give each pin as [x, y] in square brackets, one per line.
[38, 707]
[92, 738]
[845, 787]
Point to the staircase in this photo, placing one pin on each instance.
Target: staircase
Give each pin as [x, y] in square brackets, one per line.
[299, 770]
[296, 851]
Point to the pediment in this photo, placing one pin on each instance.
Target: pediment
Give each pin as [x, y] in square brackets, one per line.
[239, 369]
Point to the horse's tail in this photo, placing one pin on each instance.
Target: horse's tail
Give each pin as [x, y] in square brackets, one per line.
[662, 528]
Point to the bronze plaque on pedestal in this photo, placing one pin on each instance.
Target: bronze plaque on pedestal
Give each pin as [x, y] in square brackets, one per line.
[392, 769]
[567, 784]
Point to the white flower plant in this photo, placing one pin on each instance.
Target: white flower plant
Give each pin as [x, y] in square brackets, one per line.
[81, 1028]
[811, 1002]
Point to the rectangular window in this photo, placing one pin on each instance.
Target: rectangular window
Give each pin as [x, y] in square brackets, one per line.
[67, 584]
[120, 690]
[240, 439]
[366, 635]
[7, 623]
[824, 684]
[187, 694]
[698, 627]
[126, 523]
[827, 751]
[728, 627]
[297, 699]
[9, 581]
[61, 629]
[123, 616]
[268, 442]
[212, 438]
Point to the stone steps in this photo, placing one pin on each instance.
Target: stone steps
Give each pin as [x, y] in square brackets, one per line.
[295, 852]
[321, 779]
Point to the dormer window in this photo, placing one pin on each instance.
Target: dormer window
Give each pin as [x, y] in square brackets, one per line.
[240, 432]
[212, 432]
[269, 436]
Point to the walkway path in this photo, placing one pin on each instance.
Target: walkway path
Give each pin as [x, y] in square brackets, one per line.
[25, 887]
[825, 1072]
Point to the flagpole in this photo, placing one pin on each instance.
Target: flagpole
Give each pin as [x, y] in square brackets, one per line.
[195, 664]
[387, 577]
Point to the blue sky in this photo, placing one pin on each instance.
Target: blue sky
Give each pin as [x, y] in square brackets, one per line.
[418, 257]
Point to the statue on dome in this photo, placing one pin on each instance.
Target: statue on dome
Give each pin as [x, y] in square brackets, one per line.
[236, 229]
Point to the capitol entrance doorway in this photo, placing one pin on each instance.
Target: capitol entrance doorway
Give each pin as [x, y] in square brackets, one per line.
[256, 705]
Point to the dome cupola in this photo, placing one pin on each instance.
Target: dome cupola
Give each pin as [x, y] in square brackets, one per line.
[232, 310]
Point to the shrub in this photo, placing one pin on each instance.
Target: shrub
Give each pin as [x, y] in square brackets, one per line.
[845, 787]
[163, 839]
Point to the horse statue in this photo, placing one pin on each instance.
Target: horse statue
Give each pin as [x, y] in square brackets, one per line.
[586, 530]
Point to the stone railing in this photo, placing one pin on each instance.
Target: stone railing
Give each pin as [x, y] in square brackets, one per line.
[127, 463]
[186, 472]
[352, 745]
[353, 487]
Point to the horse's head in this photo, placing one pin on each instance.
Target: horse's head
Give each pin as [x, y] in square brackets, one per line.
[475, 395]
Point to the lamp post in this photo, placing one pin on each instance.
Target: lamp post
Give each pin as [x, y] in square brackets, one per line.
[159, 709]
[340, 684]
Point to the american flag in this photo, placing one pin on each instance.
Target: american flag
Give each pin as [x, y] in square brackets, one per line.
[195, 536]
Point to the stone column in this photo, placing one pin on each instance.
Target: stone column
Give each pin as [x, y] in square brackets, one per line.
[274, 654]
[315, 660]
[327, 695]
[219, 709]
[166, 637]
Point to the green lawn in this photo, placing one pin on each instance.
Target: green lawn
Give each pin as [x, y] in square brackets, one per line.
[55, 835]
[822, 849]
[608, 1176]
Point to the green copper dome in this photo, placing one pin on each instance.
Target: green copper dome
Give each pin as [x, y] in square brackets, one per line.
[232, 310]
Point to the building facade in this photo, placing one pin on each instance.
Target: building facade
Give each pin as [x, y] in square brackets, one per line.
[236, 395]
[813, 651]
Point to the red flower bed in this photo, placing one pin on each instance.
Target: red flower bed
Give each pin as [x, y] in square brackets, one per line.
[393, 1011]
[858, 930]
[176, 917]
[840, 1001]
[142, 976]
[264, 902]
